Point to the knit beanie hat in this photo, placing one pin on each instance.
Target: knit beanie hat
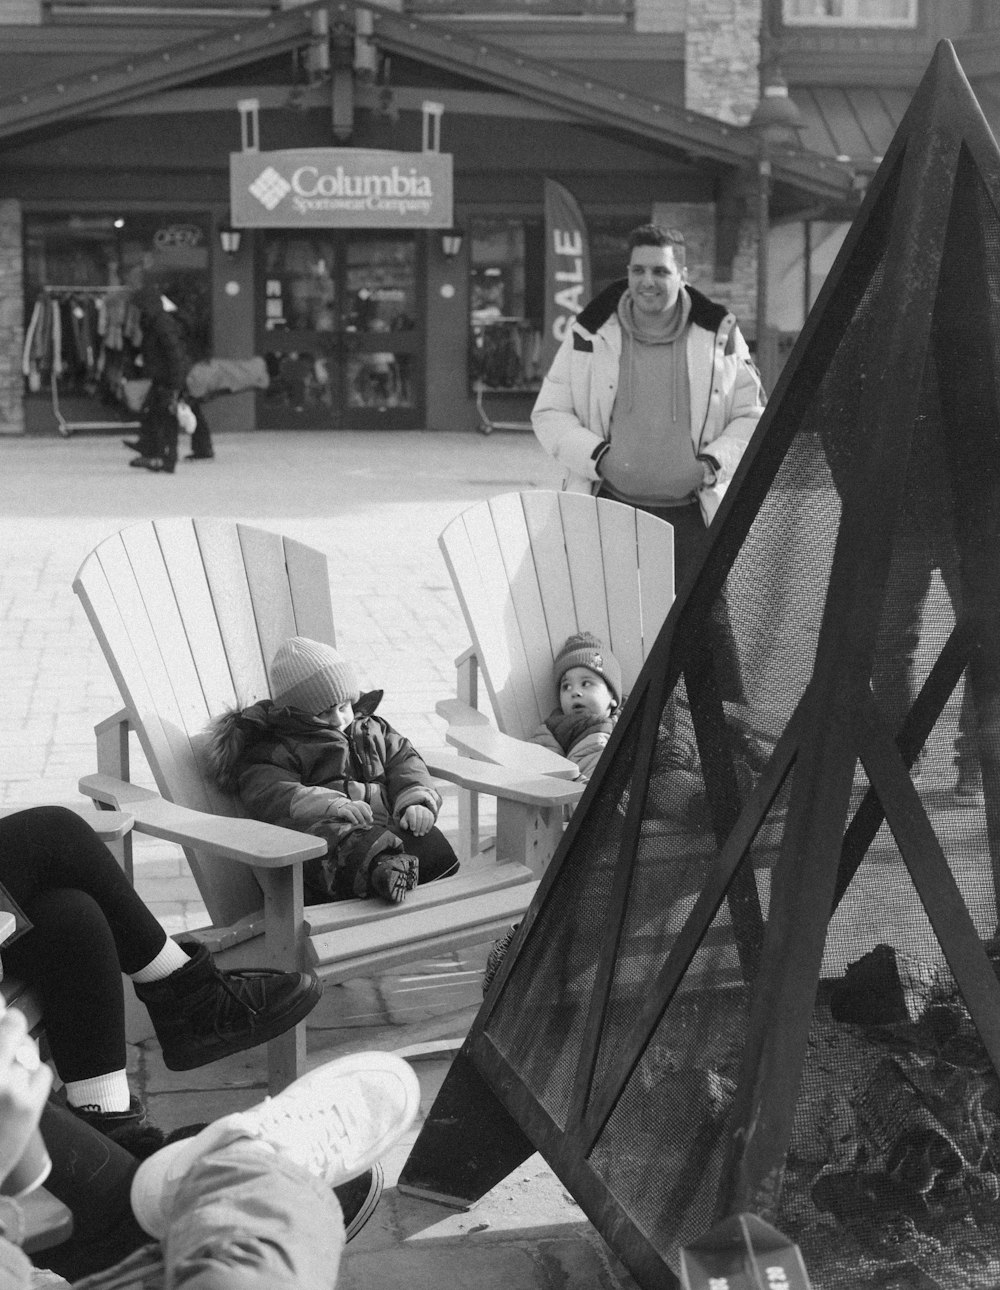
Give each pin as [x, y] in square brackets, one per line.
[585, 650]
[311, 676]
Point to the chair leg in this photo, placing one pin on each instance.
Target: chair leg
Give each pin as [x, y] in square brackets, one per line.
[528, 834]
[284, 930]
[286, 1058]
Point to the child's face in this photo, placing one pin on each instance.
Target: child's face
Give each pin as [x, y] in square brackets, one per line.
[582, 690]
[338, 717]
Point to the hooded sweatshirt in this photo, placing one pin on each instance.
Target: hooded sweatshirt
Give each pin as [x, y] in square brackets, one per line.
[652, 460]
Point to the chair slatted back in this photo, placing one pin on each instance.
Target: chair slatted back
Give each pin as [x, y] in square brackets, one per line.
[532, 568]
[188, 613]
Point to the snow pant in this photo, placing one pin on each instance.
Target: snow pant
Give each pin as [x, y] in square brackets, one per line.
[332, 877]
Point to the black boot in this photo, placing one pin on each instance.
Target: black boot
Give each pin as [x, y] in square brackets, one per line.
[201, 1014]
[131, 1129]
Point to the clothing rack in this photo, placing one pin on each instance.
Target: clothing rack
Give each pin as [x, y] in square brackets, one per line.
[486, 423]
[66, 428]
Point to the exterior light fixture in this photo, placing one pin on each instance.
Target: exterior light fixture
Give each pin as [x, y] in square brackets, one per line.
[451, 243]
[230, 239]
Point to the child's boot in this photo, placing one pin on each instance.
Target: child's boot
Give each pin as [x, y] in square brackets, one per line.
[372, 862]
[392, 876]
[201, 1014]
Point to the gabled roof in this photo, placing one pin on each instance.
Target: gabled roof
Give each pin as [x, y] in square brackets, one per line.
[689, 134]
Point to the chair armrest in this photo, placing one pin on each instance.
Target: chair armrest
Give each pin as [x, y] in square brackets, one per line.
[471, 733]
[108, 825]
[249, 841]
[502, 782]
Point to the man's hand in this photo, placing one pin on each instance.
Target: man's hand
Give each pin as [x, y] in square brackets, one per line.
[24, 1086]
[353, 812]
[418, 819]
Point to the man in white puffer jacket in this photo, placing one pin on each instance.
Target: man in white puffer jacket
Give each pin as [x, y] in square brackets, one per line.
[652, 397]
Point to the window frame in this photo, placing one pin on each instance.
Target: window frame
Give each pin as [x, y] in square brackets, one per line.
[853, 20]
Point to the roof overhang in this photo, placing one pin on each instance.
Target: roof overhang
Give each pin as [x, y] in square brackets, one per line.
[694, 137]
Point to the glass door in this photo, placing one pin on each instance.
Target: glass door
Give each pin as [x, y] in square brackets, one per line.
[337, 324]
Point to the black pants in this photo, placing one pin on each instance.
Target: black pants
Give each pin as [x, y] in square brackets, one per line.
[92, 1176]
[89, 927]
[159, 430]
[201, 440]
[690, 543]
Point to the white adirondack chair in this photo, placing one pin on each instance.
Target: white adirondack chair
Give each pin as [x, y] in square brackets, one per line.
[529, 570]
[188, 613]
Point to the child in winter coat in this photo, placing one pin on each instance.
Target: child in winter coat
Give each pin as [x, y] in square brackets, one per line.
[588, 681]
[315, 757]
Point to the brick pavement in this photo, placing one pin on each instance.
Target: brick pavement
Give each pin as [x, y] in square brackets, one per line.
[375, 504]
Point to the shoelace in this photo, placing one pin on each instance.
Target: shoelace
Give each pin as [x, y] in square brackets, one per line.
[232, 996]
[315, 1134]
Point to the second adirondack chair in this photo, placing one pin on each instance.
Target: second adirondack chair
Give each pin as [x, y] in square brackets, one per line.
[188, 614]
[530, 569]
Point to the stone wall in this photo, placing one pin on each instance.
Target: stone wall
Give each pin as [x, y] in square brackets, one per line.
[722, 46]
[697, 222]
[11, 319]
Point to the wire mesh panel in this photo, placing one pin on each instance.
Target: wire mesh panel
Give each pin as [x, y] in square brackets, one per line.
[759, 975]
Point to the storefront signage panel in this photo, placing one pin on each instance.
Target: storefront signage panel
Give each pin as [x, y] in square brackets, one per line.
[340, 188]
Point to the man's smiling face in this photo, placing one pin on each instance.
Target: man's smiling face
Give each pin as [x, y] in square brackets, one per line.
[654, 279]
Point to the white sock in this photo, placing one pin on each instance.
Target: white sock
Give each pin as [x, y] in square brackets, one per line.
[169, 959]
[101, 1092]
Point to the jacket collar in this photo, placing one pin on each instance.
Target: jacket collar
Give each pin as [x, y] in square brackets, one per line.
[264, 714]
[704, 312]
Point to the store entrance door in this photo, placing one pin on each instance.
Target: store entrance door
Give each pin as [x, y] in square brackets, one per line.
[338, 323]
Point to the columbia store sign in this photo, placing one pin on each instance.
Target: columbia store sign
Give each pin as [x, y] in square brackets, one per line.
[340, 188]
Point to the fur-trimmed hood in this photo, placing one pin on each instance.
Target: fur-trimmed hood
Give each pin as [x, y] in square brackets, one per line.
[236, 731]
[704, 312]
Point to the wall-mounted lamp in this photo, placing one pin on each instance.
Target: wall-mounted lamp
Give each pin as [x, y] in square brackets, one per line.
[451, 243]
[230, 239]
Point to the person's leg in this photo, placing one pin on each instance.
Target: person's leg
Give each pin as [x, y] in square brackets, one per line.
[913, 562]
[159, 434]
[247, 1217]
[690, 544]
[92, 1176]
[969, 781]
[48, 847]
[434, 852]
[249, 1201]
[201, 440]
[199, 1013]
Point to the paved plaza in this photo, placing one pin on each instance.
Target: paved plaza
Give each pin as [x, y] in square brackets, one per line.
[374, 503]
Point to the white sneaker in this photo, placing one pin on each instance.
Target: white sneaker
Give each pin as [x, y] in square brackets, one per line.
[336, 1121]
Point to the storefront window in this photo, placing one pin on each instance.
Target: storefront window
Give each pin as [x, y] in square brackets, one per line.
[851, 13]
[506, 304]
[81, 331]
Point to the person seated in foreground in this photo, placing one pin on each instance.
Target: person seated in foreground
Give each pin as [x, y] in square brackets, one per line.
[80, 924]
[249, 1202]
[316, 757]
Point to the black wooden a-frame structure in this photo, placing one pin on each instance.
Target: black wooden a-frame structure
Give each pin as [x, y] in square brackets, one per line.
[654, 1029]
